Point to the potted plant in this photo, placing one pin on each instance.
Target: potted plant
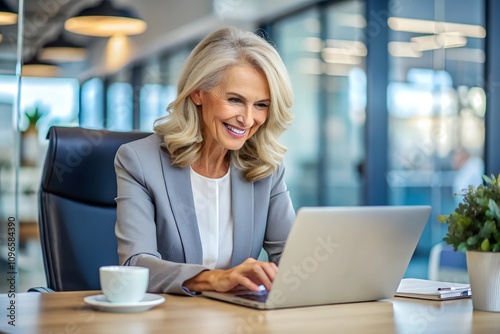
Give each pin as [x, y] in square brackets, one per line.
[474, 228]
[33, 116]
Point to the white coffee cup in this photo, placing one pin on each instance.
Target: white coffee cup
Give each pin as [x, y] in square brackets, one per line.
[124, 284]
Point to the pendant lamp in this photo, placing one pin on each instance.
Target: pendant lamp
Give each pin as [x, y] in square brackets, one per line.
[104, 20]
[7, 14]
[37, 68]
[62, 50]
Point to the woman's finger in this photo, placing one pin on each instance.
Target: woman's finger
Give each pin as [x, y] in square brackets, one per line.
[271, 270]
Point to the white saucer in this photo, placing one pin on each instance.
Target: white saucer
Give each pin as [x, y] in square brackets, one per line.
[100, 302]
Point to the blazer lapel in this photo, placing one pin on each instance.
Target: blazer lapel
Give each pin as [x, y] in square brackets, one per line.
[242, 198]
[178, 185]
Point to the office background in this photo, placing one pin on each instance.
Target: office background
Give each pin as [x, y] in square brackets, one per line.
[388, 97]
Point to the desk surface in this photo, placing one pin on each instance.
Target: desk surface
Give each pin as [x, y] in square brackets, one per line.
[66, 312]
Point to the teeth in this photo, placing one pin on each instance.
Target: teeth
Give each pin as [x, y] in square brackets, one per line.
[235, 130]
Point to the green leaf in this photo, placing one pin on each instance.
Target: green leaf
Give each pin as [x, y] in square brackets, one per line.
[485, 245]
[483, 202]
[496, 236]
[492, 205]
[487, 229]
[443, 218]
[462, 247]
[487, 180]
[458, 230]
[34, 115]
[473, 240]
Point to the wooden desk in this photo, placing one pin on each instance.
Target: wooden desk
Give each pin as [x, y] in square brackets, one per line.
[66, 312]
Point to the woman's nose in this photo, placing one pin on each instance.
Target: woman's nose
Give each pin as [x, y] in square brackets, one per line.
[245, 118]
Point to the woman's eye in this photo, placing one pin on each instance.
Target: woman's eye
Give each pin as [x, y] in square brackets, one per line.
[262, 105]
[234, 100]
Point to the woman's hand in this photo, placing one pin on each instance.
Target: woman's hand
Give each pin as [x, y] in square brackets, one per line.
[248, 275]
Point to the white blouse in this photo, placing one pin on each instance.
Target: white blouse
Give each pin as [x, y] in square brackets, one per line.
[212, 201]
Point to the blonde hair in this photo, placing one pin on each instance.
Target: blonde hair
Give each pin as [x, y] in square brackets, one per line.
[204, 69]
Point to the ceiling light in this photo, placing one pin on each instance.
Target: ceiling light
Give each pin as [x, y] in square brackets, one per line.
[432, 27]
[438, 41]
[355, 48]
[7, 15]
[340, 56]
[403, 49]
[105, 20]
[62, 50]
[37, 68]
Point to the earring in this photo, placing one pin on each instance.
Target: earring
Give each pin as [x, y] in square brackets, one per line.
[198, 103]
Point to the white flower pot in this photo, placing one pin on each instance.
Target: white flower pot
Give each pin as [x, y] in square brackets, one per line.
[484, 278]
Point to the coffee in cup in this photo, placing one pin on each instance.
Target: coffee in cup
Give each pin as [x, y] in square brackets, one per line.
[124, 284]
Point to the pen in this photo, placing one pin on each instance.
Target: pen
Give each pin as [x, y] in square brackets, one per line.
[451, 288]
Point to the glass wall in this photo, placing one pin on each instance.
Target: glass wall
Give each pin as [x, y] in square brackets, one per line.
[119, 102]
[53, 101]
[152, 100]
[344, 86]
[292, 36]
[9, 168]
[324, 49]
[43, 102]
[135, 96]
[159, 86]
[92, 104]
[436, 104]
[10, 233]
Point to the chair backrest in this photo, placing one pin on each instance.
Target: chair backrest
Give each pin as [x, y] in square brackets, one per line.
[446, 264]
[77, 209]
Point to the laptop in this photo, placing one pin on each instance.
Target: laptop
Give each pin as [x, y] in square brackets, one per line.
[340, 255]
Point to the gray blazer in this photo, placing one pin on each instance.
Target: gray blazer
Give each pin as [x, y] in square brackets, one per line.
[156, 219]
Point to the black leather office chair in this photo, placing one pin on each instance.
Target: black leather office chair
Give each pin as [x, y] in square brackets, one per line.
[77, 209]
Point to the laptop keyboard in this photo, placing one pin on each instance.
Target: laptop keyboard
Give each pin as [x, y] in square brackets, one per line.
[260, 296]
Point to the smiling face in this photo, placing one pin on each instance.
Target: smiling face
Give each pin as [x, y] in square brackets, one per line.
[234, 109]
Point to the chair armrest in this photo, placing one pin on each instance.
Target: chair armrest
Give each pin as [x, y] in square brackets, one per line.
[40, 289]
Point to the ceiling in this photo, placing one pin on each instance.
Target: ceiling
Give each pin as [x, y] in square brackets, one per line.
[168, 21]
[44, 20]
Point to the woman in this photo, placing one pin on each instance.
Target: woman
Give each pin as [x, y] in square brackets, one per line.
[200, 198]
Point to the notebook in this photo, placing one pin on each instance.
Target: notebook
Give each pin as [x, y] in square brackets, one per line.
[432, 290]
[340, 255]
